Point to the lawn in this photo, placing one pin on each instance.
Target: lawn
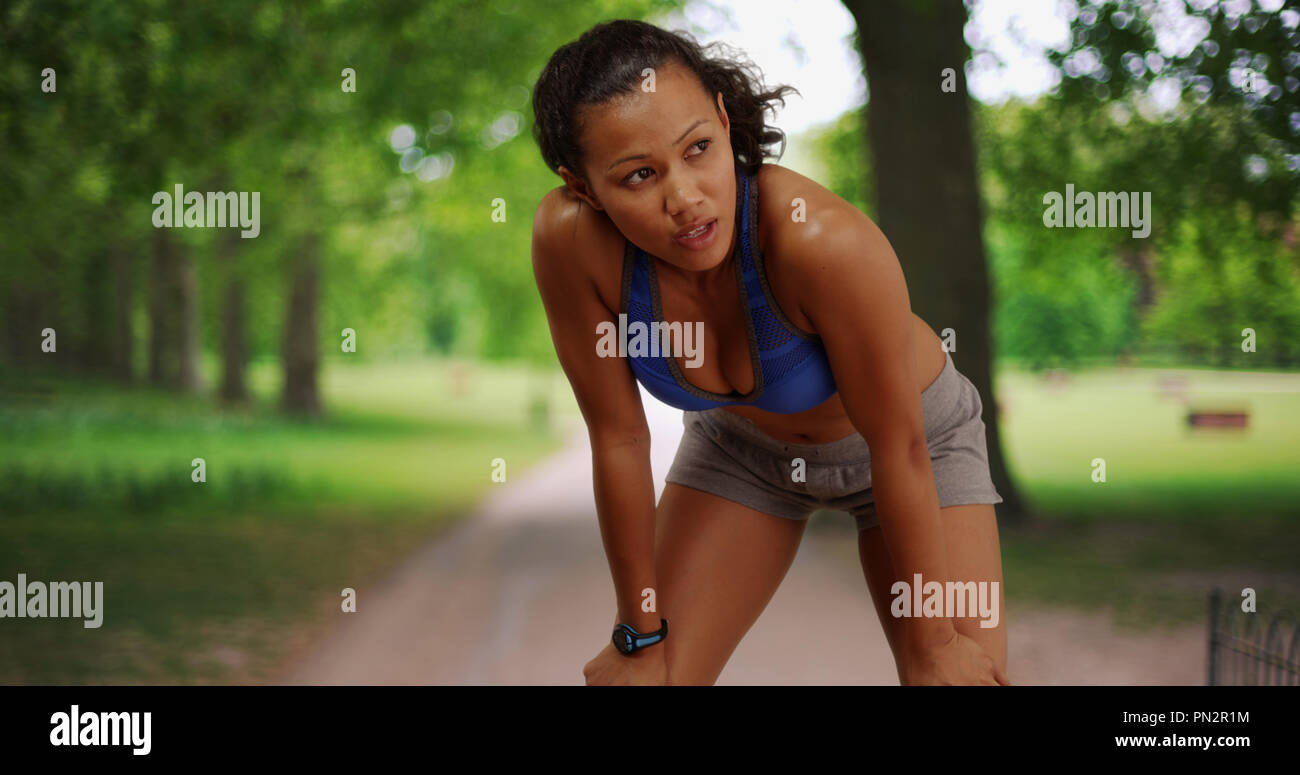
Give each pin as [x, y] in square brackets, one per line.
[1180, 509]
[1156, 466]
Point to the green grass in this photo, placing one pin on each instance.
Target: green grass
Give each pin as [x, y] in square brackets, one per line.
[1156, 467]
[216, 582]
[395, 439]
[1180, 510]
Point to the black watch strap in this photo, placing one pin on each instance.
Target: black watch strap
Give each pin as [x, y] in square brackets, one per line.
[627, 640]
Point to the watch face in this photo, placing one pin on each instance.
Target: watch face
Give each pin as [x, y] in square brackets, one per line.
[622, 641]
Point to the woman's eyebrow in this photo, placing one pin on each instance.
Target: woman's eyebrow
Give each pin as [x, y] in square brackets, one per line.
[675, 142]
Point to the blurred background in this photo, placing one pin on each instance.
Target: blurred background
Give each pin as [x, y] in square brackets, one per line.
[372, 390]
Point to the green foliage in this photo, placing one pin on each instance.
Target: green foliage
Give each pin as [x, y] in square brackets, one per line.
[1056, 313]
[1247, 66]
[846, 153]
[246, 95]
[1222, 253]
[1223, 278]
[1216, 263]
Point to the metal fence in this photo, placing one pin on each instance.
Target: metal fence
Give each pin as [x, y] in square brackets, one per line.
[1243, 652]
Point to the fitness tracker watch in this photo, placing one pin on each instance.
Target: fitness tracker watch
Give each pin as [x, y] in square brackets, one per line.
[628, 640]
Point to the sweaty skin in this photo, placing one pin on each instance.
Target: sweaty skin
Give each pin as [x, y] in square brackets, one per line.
[713, 297]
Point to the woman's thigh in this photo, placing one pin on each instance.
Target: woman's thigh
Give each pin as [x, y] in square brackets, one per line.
[717, 563]
[970, 535]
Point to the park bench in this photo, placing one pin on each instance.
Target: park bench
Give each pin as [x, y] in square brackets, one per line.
[1233, 418]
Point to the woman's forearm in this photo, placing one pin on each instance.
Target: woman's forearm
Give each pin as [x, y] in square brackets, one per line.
[908, 507]
[625, 506]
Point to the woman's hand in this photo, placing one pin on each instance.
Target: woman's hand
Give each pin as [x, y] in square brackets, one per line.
[643, 667]
[959, 662]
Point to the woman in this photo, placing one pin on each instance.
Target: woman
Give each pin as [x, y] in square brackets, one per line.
[811, 358]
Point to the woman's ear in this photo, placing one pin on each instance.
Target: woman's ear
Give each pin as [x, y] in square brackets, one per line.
[579, 187]
[722, 113]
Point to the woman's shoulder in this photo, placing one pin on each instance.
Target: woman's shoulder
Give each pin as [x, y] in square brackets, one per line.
[579, 240]
[805, 230]
[796, 206]
[800, 218]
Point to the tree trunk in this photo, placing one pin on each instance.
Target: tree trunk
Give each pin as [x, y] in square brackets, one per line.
[927, 189]
[187, 283]
[162, 327]
[121, 338]
[234, 347]
[300, 357]
[94, 313]
[1140, 260]
[33, 302]
[11, 331]
[173, 317]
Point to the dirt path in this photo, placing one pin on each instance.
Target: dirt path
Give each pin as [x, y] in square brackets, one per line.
[520, 593]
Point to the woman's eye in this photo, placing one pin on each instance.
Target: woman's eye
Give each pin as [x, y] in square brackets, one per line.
[632, 178]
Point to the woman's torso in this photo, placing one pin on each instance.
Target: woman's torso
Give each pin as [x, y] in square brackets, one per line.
[727, 365]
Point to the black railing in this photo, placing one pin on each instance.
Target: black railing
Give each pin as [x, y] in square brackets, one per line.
[1244, 653]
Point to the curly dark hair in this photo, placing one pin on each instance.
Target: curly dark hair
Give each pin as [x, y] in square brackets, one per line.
[607, 61]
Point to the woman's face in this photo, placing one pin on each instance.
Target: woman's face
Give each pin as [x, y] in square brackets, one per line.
[659, 162]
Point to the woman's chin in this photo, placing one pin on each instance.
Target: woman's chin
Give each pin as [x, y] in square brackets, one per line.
[692, 261]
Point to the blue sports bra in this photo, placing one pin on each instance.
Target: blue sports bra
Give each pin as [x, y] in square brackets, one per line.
[791, 371]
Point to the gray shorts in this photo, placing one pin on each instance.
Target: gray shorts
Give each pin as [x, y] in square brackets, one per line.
[727, 455]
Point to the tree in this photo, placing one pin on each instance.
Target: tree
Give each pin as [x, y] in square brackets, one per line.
[1246, 67]
[927, 190]
[1220, 165]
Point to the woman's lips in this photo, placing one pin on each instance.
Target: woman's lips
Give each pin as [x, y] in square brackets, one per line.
[703, 240]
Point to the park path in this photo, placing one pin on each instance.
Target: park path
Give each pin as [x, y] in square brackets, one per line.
[520, 593]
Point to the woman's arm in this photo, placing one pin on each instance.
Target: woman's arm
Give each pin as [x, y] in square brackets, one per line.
[607, 395]
[854, 293]
[853, 290]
